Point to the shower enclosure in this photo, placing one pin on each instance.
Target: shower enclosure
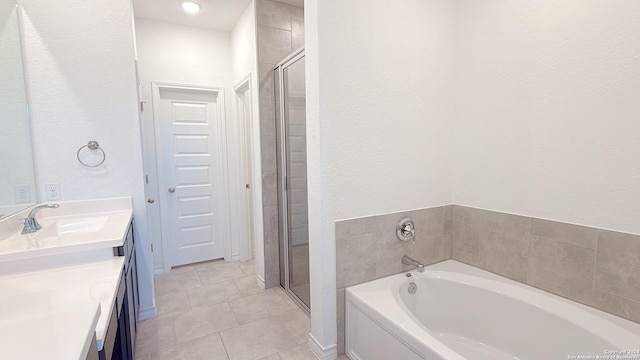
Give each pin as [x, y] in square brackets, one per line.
[291, 150]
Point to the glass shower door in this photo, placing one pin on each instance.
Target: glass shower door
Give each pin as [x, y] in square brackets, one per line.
[292, 177]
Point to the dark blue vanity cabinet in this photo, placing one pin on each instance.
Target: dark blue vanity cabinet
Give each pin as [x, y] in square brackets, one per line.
[120, 339]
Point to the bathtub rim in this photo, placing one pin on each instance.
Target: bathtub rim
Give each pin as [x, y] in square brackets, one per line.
[400, 319]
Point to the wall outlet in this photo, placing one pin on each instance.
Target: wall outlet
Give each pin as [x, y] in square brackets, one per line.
[21, 194]
[52, 191]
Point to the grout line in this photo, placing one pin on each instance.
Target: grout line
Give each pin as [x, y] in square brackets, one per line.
[223, 344]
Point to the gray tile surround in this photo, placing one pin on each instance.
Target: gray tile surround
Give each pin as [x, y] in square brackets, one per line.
[599, 268]
[367, 249]
[595, 267]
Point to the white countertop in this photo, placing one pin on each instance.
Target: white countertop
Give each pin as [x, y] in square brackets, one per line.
[75, 226]
[40, 298]
[56, 335]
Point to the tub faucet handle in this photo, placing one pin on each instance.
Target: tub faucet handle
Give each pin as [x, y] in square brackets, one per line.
[405, 229]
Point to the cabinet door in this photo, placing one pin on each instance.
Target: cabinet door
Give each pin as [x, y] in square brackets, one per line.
[131, 314]
[135, 294]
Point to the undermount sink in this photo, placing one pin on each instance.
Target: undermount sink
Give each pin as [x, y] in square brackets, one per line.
[73, 225]
[56, 232]
[76, 231]
[70, 229]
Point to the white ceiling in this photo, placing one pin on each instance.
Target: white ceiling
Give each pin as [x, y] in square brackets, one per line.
[218, 15]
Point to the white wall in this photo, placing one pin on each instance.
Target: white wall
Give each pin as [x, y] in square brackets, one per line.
[548, 116]
[243, 44]
[15, 145]
[82, 86]
[182, 55]
[379, 115]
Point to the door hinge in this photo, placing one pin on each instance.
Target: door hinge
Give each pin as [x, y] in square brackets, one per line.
[151, 247]
[247, 186]
[142, 106]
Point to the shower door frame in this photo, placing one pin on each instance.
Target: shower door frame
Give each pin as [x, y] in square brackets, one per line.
[282, 182]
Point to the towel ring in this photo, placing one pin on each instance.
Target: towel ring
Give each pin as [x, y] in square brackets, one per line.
[91, 145]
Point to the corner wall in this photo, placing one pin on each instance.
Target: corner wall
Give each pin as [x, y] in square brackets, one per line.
[80, 74]
[544, 125]
[379, 115]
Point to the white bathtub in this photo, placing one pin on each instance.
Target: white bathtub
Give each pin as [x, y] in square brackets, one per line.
[462, 312]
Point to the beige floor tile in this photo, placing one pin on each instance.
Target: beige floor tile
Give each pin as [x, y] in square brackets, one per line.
[292, 304]
[204, 321]
[257, 339]
[220, 273]
[248, 285]
[175, 303]
[177, 280]
[190, 325]
[204, 348]
[300, 352]
[254, 307]
[249, 267]
[272, 357]
[213, 294]
[215, 264]
[155, 334]
[146, 356]
[297, 324]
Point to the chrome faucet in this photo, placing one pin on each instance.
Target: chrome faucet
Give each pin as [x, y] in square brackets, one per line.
[409, 261]
[30, 223]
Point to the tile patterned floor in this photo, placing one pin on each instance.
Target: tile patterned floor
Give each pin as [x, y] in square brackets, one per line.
[215, 310]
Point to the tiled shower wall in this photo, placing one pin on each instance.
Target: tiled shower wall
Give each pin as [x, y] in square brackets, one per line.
[280, 32]
[596, 267]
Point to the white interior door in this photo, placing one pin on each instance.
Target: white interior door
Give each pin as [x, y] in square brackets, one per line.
[190, 168]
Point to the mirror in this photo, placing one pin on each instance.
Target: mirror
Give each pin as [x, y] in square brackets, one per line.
[17, 184]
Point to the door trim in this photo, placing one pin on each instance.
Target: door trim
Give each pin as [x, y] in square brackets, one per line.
[223, 178]
[244, 99]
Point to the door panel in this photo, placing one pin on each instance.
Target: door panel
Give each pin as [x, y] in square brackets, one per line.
[190, 167]
[292, 179]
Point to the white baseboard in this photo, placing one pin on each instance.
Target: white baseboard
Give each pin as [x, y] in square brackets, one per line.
[158, 270]
[322, 353]
[235, 257]
[261, 282]
[147, 313]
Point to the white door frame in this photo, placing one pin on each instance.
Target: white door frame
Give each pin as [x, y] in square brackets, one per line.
[223, 178]
[243, 99]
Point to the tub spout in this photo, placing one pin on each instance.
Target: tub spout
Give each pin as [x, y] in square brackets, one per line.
[409, 261]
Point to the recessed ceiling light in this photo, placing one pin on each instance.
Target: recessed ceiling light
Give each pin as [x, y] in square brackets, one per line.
[190, 7]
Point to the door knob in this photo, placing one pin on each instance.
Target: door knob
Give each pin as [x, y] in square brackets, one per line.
[150, 200]
[172, 190]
